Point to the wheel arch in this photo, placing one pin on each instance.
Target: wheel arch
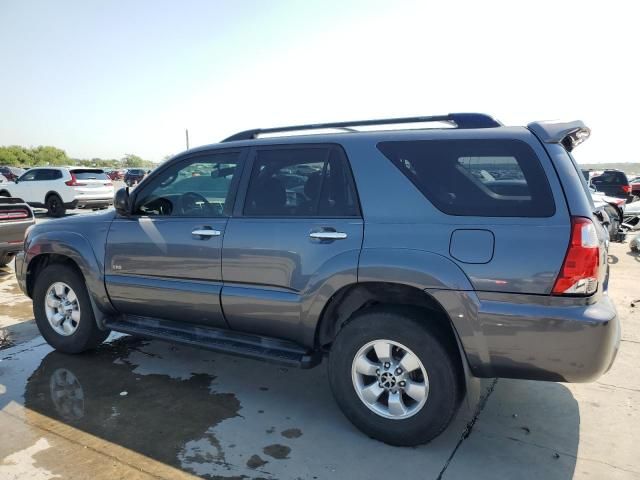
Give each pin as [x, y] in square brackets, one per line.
[74, 250]
[50, 193]
[354, 299]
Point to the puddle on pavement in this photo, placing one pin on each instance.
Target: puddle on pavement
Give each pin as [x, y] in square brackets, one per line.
[277, 451]
[84, 391]
[292, 433]
[18, 311]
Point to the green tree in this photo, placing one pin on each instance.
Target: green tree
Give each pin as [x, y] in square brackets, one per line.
[132, 161]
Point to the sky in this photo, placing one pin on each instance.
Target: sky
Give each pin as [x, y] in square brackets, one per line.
[106, 78]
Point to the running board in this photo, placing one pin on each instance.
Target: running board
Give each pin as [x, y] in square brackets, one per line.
[268, 349]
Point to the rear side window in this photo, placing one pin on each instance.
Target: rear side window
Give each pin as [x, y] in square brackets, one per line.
[90, 174]
[488, 178]
[301, 182]
[47, 174]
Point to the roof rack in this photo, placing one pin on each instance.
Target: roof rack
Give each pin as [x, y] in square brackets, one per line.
[460, 120]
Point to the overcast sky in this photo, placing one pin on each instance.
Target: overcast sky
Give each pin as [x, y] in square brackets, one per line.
[105, 78]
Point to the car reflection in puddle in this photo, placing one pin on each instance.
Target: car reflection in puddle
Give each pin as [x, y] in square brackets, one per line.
[155, 415]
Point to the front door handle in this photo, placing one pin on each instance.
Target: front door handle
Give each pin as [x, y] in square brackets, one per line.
[206, 232]
[328, 235]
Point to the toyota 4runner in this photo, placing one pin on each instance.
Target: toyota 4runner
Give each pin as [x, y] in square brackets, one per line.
[405, 257]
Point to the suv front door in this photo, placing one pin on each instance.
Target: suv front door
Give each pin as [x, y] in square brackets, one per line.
[293, 240]
[163, 260]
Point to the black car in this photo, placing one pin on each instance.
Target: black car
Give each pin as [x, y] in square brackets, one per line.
[134, 175]
[613, 183]
[15, 218]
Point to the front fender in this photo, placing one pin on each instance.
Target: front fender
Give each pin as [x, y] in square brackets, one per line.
[77, 248]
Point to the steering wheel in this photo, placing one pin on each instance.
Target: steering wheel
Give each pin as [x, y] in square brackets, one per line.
[188, 204]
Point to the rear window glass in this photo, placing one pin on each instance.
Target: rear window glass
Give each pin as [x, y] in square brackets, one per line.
[610, 178]
[136, 172]
[90, 174]
[488, 178]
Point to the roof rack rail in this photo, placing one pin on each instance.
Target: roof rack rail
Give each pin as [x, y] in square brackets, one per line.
[460, 120]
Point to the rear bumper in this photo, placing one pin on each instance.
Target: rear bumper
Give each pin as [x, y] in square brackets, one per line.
[542, 342]
[546, 338]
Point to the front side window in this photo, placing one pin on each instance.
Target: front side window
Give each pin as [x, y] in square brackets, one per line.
[197, 187]
[29, 176]
[489, 178]
[301, 182]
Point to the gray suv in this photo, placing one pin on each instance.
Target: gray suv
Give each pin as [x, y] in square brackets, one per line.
[408, 258]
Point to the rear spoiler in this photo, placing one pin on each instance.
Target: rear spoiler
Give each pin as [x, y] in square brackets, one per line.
[569, 134]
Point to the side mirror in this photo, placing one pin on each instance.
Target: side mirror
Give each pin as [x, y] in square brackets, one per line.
[15, 180]
[121, 201]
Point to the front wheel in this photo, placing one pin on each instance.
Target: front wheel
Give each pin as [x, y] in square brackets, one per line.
[396, 377]
[63, 311]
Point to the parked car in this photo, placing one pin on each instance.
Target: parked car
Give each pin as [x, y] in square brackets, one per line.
[15, 218]
[614, 208]
[60, 188]
[635, 186]
[134, 176]
[393, 259]
[11, 173]
[613, 183]
[116, 174]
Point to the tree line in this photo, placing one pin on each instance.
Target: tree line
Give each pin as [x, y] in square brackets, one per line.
[17, 156]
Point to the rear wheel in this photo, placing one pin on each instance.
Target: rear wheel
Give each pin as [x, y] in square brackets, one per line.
[63, 311]
[55, 207]
[397, 379]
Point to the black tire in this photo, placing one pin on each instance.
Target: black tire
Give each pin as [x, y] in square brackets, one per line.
[55, 206]
[4, 193]
[5, 259]
[87, 335]
[435, 350]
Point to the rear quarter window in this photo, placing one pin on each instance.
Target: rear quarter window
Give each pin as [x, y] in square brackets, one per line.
[488, 178]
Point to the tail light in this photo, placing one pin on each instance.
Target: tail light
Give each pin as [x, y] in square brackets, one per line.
[626, 188]
[579, 273]
[74, 182]
[12, 215]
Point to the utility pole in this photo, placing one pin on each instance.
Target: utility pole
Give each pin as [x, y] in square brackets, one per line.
[186, 133]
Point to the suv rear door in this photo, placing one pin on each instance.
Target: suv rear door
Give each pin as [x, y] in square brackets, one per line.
[296, 224]
[163, 260]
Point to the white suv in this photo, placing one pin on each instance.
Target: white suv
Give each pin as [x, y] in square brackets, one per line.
[59, 188]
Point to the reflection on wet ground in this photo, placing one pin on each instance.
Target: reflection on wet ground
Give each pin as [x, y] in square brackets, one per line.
[170, 411]
[106, 399]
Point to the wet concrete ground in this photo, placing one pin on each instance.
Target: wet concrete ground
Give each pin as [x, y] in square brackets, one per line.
[147, 409]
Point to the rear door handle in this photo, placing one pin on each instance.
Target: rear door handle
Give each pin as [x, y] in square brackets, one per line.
[206, 232]
[328, 235]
